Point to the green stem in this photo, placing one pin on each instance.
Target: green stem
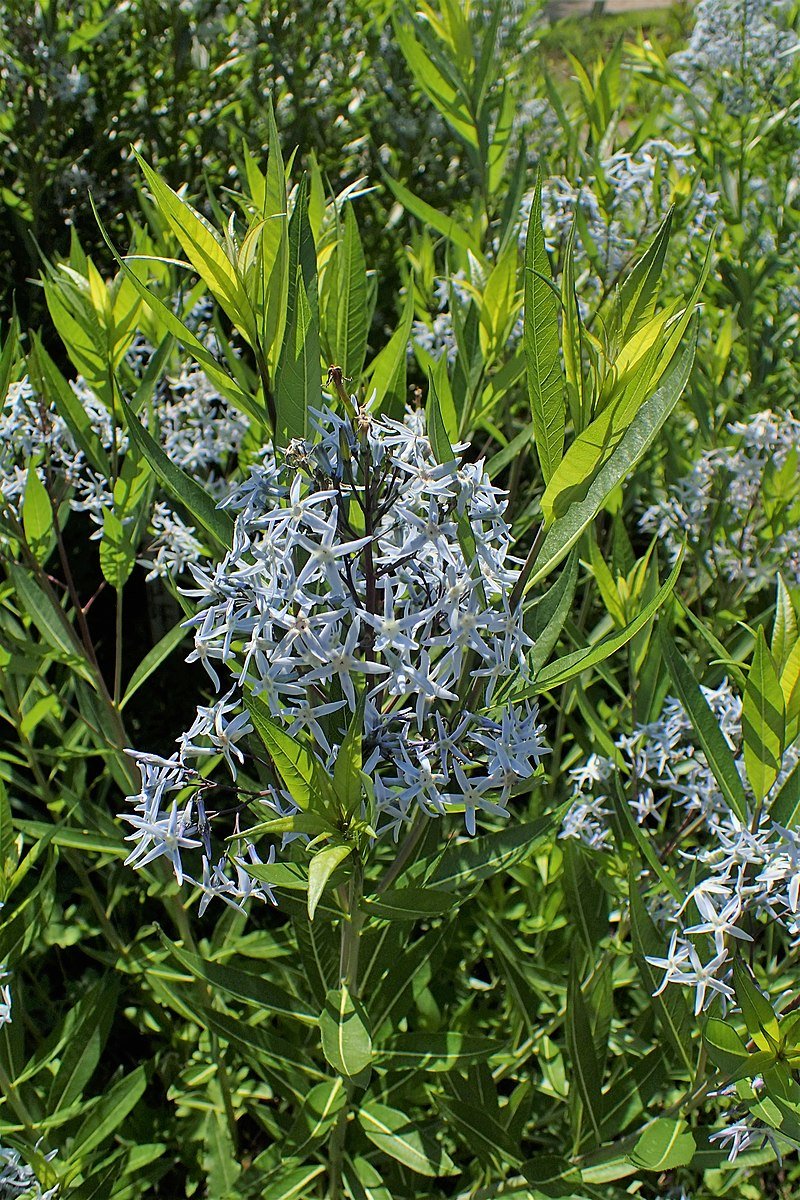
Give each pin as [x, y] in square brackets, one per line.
[17, 1104]
[352, 924]
[118, 651]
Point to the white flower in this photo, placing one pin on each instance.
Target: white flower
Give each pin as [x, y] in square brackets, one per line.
[346, 583]
[719, 922]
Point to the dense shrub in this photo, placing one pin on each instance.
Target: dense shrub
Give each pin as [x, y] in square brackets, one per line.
[399, 655]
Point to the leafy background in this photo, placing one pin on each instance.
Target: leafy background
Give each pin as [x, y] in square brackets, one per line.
[517, 1046]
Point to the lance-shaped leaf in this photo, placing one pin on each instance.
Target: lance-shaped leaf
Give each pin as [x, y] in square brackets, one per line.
[571, 336]
[323, 864]
[570, 665]
[718, 753]
[49, 618]
[117, 554]
[205, 251]
[298, 378]
[398, 1136]
[639, 292]
[442, 1051]
[153, 660]
[431, 73]
[725, 1048]
[388, 370]
[346, 1041]
[251, 988]
[670, 1004]
[638, 371]
[759, 1015]
[52, 384]
[107, 1115]
[763, 720]
[541, 342]
[637, 439]
[347, 782]
[317, 1116]
[785, 808]
[441, 222]
[586, 1071]
[274, 243]
[665, 1144]
[351, 301]
[180, 485]
[784, 632]
[37, 515]
[293, 762]
[173, 324]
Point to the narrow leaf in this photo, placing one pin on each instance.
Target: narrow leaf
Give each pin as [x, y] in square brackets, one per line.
[541, 342]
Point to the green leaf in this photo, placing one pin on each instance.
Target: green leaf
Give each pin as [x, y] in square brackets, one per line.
[294, 1183]
[50, 620]
[586, 1069]
[763, 720]
[428, 215]
[480, 1131]
[410, 904]
[637, 439]
[472, 860]
[347, 781]
[220, 1161]
[173, 324]
[37, 515]
[434, 1051]
[725, 1048]
[203, 247]
[571, 338]
[670, 1005]
[541, 343]
[388, 368]
[393, 994]
[412, 1145]
[153, 660]
[551, 1176]
[54, 387]
[437, 430]
[242, 985]
[178, 484]
[320, 869]
[298, 380]
[664, 1145]
[790, 687]
[293, 762]
[317, 1116]
[587, 901]
[637, 372]
[759, 1015]
[108, 1114]
[444, 93]
[712, 740]
[344, 1027]
[545, 620]
[90, 1022]
[352, 313]
[571, 665]
[785, 808]
[8, 854]
[784, 633]
[274, 244]
[639, 292]
[117, 555]
[445, 409]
